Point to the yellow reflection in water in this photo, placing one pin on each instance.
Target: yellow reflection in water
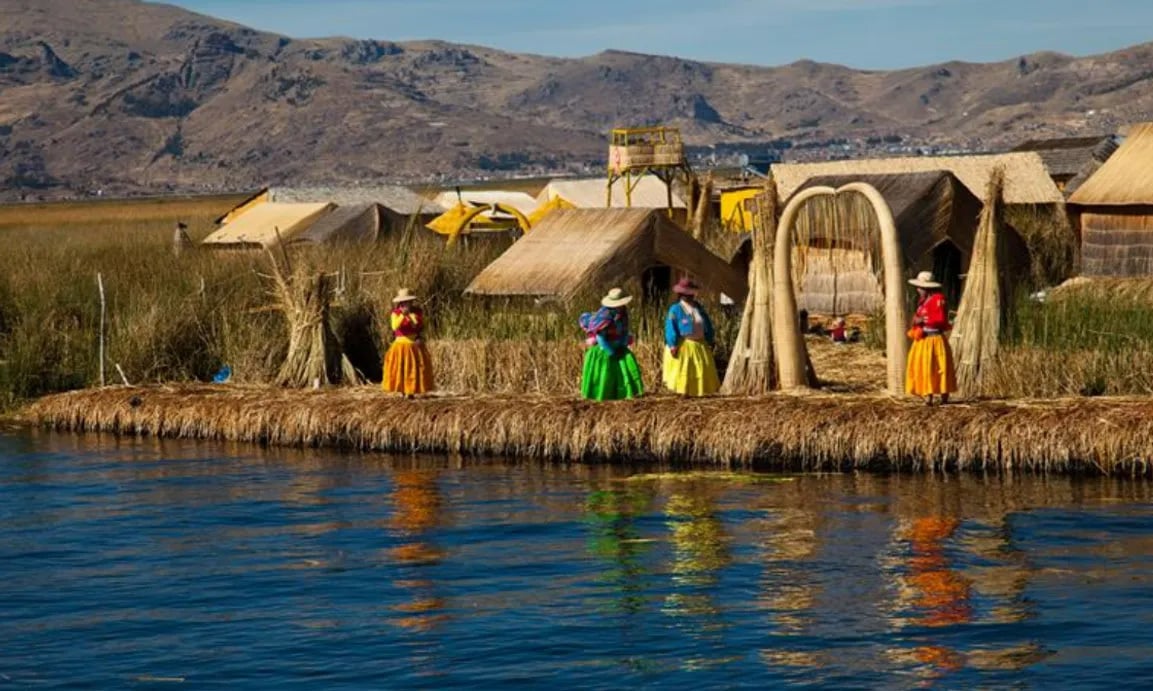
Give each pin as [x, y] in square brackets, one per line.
[789, 538]
[417, 508]
[700, 551]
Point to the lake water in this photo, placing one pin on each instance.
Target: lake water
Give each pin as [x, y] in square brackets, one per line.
[149, 564]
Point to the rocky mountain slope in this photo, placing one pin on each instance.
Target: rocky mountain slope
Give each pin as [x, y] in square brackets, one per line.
[128, 96]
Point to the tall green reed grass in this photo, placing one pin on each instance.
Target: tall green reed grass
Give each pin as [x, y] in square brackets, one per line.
[181, 318]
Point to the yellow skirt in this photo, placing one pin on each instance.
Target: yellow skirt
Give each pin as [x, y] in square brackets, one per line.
[407, 368]
[693, 372]
[930, 368]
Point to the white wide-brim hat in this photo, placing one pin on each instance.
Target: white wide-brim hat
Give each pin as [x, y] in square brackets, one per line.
[403, 295]
[924, 280]
[616, 298]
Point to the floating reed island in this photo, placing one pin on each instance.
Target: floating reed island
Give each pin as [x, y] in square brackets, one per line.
[777, 432]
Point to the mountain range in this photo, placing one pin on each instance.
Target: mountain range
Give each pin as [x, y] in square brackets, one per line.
[125, 96]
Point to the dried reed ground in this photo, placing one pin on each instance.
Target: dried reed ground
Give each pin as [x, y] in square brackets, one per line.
[779, 432]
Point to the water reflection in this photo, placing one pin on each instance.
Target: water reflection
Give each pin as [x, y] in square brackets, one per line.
[789, 592]
[935, 592]
[121, 554]
[700, 551]
[615, 539]
[417, 510]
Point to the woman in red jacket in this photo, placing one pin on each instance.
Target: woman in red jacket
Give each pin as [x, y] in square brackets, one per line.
[930, 370]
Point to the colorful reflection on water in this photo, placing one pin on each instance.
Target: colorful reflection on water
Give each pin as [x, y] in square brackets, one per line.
[129, 562]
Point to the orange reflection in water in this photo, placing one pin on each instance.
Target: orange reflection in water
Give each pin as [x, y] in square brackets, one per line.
[941, 595]
[417, 509]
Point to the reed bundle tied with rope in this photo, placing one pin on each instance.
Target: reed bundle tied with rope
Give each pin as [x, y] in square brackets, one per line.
[315, 355]
[752, 368]
[976, 334]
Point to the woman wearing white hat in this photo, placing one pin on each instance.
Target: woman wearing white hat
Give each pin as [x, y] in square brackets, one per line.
[407, 365]
[610, 370]
[930, 370]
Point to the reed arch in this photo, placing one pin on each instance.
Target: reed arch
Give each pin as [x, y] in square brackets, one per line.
[789, 344]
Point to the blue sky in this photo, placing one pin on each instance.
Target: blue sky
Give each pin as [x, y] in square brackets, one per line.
[859, 33]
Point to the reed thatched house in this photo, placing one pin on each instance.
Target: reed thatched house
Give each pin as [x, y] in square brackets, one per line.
[837, 261]
[1071, 160]
[584, 252]
[1113, 210]
[266, 225]
[395, 207]
[649, 192]
[1027, 180]
[1032, 202]
[352, 224]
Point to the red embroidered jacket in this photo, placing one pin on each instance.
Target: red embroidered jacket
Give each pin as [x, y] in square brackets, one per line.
[932, 314]
[407, 326]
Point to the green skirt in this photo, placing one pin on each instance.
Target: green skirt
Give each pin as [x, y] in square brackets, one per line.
[611, 377]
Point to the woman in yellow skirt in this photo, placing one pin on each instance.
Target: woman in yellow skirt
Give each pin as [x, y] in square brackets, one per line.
[930, 370]
[689, 367]
[407, 365]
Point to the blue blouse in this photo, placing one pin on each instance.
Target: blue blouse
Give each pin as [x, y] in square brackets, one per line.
[679, 324]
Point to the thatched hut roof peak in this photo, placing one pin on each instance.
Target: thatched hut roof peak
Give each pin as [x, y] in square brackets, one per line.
[576, 251]
[1026, 179]
[1126, 179]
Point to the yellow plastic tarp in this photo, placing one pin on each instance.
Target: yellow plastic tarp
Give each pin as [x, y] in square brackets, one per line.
[554, 204]
[734, 214]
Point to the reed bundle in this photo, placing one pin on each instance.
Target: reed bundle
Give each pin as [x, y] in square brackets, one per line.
[752, 368]
[812, 432]
[701, 214]
[314, 353]
[976, 336]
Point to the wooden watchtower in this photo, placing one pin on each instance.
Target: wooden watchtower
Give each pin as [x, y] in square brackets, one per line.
[636, 152]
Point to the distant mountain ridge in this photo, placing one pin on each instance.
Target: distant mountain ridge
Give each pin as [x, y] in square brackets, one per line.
[127, 96]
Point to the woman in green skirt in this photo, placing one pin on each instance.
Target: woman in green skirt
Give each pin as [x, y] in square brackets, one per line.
[610, 371]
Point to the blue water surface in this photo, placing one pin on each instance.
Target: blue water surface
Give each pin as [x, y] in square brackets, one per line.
[149, 564]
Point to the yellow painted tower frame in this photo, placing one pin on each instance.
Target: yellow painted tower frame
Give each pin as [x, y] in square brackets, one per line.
[636, 152]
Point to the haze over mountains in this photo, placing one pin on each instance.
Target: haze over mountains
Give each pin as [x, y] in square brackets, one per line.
[126, 97]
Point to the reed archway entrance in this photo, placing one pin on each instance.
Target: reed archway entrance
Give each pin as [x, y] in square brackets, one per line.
[789, 344]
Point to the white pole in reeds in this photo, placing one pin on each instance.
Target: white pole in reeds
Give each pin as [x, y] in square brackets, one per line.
[103, 310]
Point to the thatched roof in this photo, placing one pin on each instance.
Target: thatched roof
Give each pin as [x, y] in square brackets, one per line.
[1126, 179]
[393, 197]
[1066, 157]
[927, 208]
[1026, 179]
[591, 193]
[264, 224]
[346, 224]
[574, 251]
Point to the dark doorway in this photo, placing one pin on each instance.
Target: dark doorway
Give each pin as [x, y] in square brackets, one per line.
[947, 260]
[656, 283]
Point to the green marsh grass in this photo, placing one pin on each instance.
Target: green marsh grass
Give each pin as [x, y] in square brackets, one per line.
[181, 318]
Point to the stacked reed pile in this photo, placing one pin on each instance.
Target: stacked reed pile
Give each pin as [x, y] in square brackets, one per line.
[752, 367]
[976, 336]
[315, 355]
[779, 432]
